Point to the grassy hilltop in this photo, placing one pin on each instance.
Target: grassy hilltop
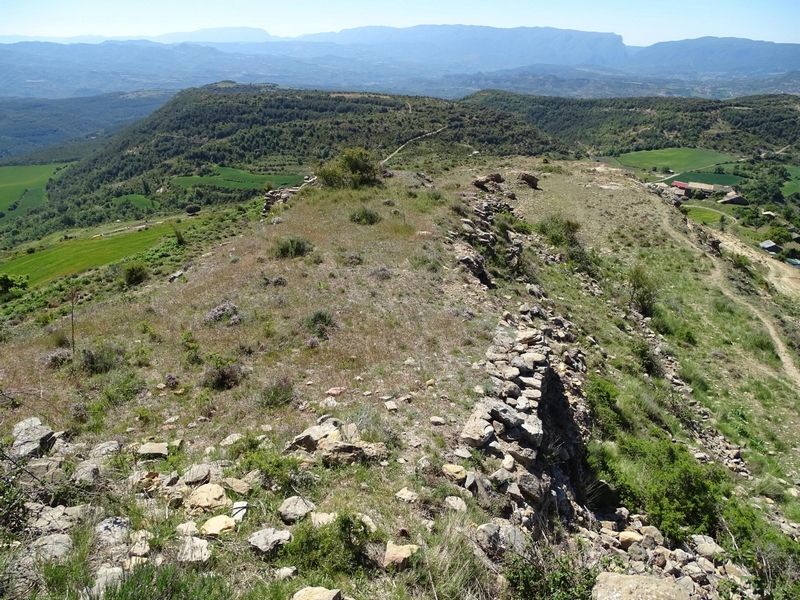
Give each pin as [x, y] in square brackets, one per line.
[519, 386]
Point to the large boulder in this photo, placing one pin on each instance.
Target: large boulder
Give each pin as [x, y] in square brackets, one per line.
[52, 547]
[31, 438]
[613, 586]
[335, 453]
[311, 437]
[477, 432]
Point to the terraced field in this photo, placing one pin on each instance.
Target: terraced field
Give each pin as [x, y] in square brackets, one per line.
[677, 159]
[226, 177]
[22, 188]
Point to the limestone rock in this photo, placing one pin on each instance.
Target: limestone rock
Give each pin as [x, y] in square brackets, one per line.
[294, 508]
[319, 519]
[153, 450]
[194, 550]
[197, 475]
[31, 438]
[52, 547]
[406, 495]
[104, 449]
[86, 473]
[613, 586]
[335, 453]
[311, 437]
[317, 593]
[397, 556]
[285, 573]
[111, 532]
[237, 485]
[628, 538]
[187, 529]
[239, 511]
[455, 503]
[107, 578]
[476, 432]
[267, 540]
[218, 525]
[231, 440]
[206, 498]
[455, 473]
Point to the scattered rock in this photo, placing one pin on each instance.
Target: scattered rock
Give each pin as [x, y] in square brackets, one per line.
[231, 440]
[153, 450]
[31, 438]
[335, 453]
[194, 550]
[397, 556]
[218, 525]
[455, 473]
[107, 577]
[267, 540]
[406, 495]
[197, 475]
[51, 547]
[237, 485]
[294, 508]
[613, 586]
[455, 503]
[317, 593]
[286, 573]
[628, 538]
[239, 511]
[207, 498]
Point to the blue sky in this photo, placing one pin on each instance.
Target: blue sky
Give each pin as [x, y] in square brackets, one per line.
[640, 22]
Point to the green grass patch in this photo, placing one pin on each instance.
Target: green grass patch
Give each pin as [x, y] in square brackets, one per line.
[235, 179]
[76, 256]
[677, 159]
[710, 178]
[22, 188]
[138, 200]
[703, 215]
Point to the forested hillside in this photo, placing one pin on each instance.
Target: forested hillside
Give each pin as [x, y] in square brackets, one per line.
[263, 129]
[618, 125]
[27, 124]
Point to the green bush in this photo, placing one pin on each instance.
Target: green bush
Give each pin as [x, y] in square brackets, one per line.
[663, 479]
[559, 231]
[541, 572]
[646, 358]
[280, 472]
[355, 167]
[365, 216]
[134, 273]
[601, 396]
[644, 290]
[278, 393]
[102, 359]
[148, 582]
[332, 550]
[123, 389]
[293, 247]
[319, 323]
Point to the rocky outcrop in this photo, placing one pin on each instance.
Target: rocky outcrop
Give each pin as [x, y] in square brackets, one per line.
[613, 586]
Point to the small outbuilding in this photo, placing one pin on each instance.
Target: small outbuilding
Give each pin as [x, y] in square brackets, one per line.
[733, 198]
[771, 247]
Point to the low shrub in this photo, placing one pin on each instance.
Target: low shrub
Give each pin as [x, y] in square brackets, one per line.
[101, 359]
[293, 247]
[134, 273]
[365, 216]
[278, 393]
[542, 572]
[333, 550]
[222, 374]
[319, 323]
[601, 396]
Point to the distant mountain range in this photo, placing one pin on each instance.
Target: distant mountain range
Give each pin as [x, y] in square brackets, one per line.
[441, 60]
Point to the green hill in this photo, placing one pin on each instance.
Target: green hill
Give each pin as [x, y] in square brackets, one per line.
[615, 126]
[262, 130]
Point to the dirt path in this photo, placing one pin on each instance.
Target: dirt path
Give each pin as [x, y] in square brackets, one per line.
[717, 275]
[419, 137]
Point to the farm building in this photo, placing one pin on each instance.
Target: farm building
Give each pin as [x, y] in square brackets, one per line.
[733, 198]
[705, 188]
[771, 247]
[768, 213]
[794, 262]
[679, 185]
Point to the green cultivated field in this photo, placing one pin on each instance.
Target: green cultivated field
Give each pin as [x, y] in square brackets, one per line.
[677, 159]
[24, 184]
[138, 200]
[76, 256]
[710, 178]
[238, 180]
[793, 186]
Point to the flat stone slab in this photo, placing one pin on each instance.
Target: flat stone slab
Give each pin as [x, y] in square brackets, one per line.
[153, 450]
[267, 540]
